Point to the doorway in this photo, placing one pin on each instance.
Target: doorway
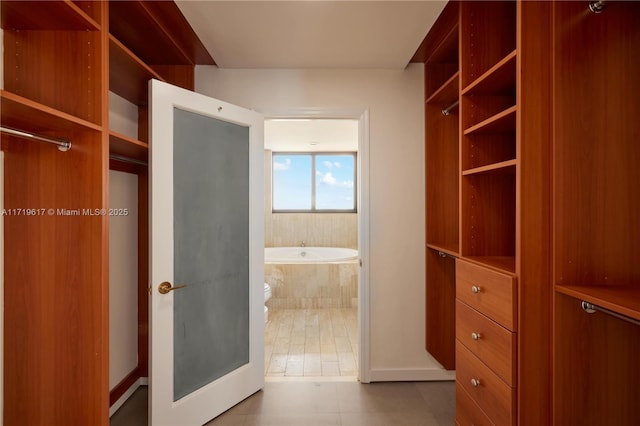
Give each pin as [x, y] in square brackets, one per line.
[317, 319]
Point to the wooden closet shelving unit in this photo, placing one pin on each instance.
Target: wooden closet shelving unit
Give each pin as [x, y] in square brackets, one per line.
[485, 189]
[61, 59]
[549, 184]
[439, 52]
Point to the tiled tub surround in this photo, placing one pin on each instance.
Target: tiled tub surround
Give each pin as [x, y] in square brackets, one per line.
[313, 285]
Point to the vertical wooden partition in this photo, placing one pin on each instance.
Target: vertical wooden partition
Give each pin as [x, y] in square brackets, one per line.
[56, 285]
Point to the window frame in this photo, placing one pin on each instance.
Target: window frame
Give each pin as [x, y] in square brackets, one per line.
[313, 155]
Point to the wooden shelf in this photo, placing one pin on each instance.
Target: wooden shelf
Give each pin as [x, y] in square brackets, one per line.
[447, 93]
[157, 32]
[25, 114]
[45, 15]
[447, 50]
[450, 249]
[503, 122]
[125, 146]
[128, 75]
[499, 79]
[502, 167]
[501, 263]
[624, 300]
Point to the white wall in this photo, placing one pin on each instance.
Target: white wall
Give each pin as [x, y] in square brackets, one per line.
[123, 277]
[395, 102]
[123, 253]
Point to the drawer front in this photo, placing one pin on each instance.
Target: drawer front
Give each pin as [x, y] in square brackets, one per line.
[493, 396]
[467, 412]
[490, 292]
[492, 343]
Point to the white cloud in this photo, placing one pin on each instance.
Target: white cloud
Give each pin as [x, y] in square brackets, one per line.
[329, 164]
[329, 179]
[282, 166]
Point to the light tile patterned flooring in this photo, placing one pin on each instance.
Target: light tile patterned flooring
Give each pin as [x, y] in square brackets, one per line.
[317, 403]
[320, 342]
[311, 343]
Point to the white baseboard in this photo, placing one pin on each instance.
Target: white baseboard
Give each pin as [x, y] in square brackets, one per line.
[142, 381]
[411, 375]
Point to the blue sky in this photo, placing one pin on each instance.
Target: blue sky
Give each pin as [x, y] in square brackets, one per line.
[334, 181]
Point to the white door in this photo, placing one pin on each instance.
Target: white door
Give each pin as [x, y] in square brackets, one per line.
[207, 234]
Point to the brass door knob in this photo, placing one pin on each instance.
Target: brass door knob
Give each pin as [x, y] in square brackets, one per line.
[166, 287]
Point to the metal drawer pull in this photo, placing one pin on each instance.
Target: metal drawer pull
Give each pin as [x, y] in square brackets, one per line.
[475, 289]
[475, 383]
[475, 336]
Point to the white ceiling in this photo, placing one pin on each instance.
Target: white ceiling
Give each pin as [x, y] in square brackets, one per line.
[311, 34]
[316, 135]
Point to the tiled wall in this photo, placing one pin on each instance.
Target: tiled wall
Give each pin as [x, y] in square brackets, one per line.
[315, 229]
[314, 285]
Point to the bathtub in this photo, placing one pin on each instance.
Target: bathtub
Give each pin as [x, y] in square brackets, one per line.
[283, 255]
[311, 277]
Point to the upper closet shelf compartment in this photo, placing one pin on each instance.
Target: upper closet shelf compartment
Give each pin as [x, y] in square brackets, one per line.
[45, 15]
[157, 33]
[502, 122]
[447, 93]
[128, 76]
[498, 80]
[23, 113]
[502, 167]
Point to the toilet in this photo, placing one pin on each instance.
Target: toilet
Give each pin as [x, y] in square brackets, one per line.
[267, 296]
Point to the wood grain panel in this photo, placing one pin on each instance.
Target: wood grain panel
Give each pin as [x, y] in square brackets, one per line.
[442, 177]
[56, 349]
[49, 15]
[496, 297]
[60, 69]
[496, 346]
[467, 411]
[492, 395]
[157, 32]
[488, 214]
[488, 34]
[596, 369]
[533, 213]
[596, 152]
[441, 309]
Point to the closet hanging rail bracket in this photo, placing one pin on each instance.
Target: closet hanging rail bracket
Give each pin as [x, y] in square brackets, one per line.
[590, 308]
[62, 144]
[443, 254]
[447, 110]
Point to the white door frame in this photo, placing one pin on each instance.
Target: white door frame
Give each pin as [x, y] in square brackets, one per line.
[362, 115]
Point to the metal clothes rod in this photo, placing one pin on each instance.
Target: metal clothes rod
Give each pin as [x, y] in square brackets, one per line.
[127, 160]
[591, 308]
[62, 144]
[448, 109]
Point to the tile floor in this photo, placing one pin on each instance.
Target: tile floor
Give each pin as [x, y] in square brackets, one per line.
[301, 344]
[322, 403]
[311, 343]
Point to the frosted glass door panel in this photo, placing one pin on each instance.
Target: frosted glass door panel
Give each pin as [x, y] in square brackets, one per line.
[211, 249]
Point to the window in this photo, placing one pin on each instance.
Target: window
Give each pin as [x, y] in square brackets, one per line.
[314, 182]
